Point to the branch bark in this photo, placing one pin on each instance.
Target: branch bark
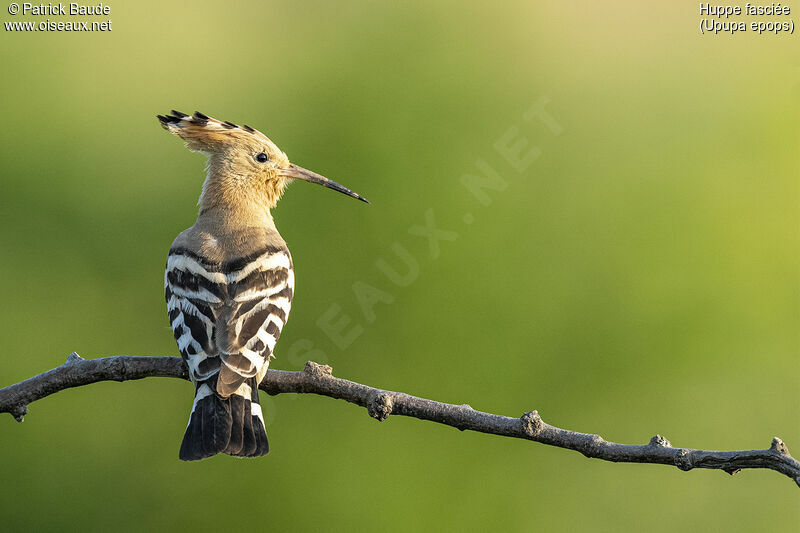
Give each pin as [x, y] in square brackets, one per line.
[318, 379]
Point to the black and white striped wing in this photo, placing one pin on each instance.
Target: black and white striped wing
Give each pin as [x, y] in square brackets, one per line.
[194, 300]
[230, 313]
[258, 304]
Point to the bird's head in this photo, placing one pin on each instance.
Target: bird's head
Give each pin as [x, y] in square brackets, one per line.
[245, 168]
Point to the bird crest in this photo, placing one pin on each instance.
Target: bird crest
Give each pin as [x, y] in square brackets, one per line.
[205, 134]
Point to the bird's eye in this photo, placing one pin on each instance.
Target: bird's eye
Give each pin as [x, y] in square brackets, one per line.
[262, 158]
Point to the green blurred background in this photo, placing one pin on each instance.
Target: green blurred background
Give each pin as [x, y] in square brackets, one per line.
[641, 276]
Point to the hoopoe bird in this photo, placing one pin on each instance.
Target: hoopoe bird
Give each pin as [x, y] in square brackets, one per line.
[229, 282]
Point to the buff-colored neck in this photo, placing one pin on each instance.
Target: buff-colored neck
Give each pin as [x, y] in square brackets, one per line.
[234, 200]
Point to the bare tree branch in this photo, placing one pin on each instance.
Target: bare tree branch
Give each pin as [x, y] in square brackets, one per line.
[317, 379]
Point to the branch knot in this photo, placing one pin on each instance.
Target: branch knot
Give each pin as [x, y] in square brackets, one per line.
[593, 446]
[19, 412]
[778, 446]
[660, 441]
[684, 460]
[532, 423]
[380, 405]
[73, 358]
[317, 370]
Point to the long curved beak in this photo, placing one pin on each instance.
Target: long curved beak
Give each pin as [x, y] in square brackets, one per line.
[301, 173]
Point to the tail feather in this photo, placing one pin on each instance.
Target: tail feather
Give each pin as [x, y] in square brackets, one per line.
[249, 432]
[262, 444]
[216, 420]
[254, 434]
[257, 419]
[232, 425]
[237, 428]
[192, 445]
